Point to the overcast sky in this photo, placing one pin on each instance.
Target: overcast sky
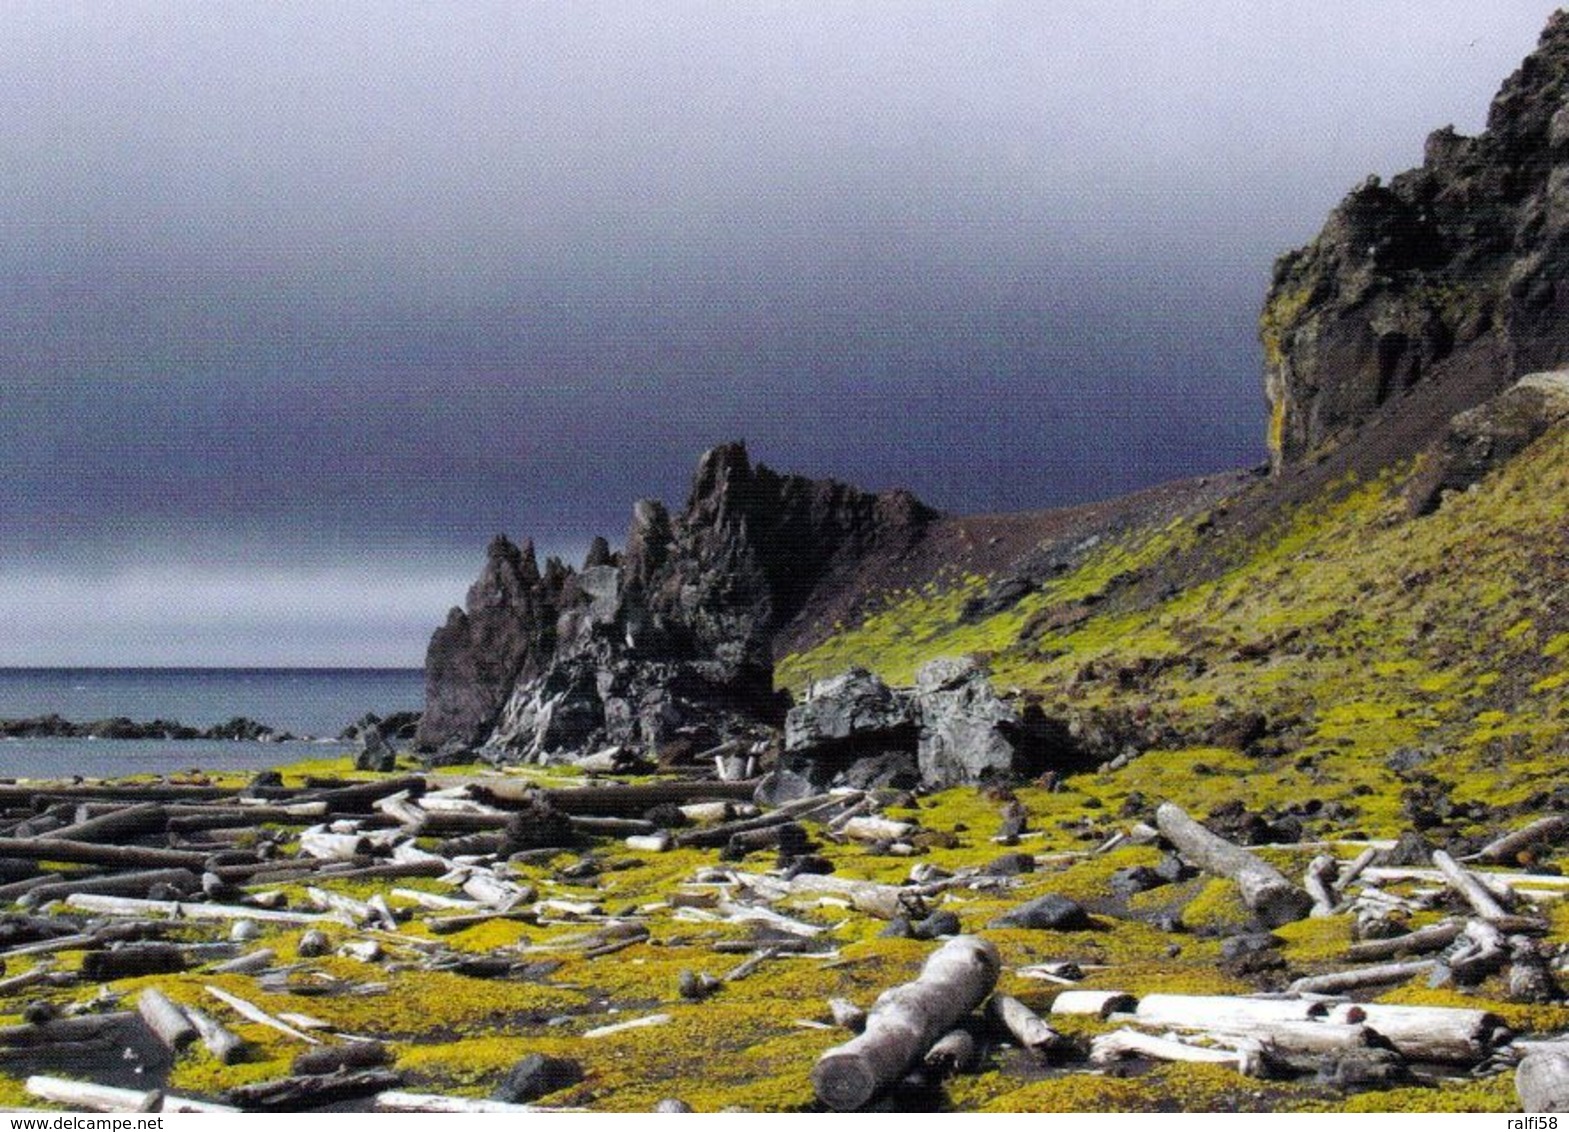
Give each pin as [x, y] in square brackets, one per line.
[300, 302]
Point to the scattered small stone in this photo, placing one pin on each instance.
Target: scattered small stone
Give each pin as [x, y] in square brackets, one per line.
[535, 1076]
[1046, 913]
[937, 924]
[1010, 865]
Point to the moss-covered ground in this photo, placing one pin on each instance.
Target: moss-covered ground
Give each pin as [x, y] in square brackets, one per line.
[1408, 673]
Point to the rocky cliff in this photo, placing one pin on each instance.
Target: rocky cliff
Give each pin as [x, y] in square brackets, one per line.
[675, 633]
[1452, 275]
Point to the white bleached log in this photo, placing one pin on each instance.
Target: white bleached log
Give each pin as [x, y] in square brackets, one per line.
[1354, 870]
[1433, 937]
[84, 1096]
[634, 1024]
[220, 1041]
[905, 1021]
[1507, 847]
[954, 1052]
[1230, 1013]
[660, 842]
[325, 845]
[1319, 880]
[1099, 1003]
[258, 1015]
[1469, 887]
[127, 906]
[166, 1020]
[398, 1101]
[748, 913]
[1429, 1033]
[1273, 898]
[493, 891]
[877, 829]
[1027, 1028]
[1108, 1048]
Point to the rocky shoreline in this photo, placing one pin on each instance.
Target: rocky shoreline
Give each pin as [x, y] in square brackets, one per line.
[241, 729]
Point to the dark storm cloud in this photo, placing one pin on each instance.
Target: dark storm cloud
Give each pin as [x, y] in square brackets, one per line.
[287, 287]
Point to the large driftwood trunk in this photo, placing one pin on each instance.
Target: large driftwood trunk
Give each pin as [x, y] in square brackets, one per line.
[905, 1021]
[1542, 1081]
[1430, 1033]
[85, 1097]
[1273, 898]
[1225, 1013]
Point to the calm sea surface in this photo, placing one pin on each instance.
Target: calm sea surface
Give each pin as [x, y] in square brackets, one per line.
[318, 702]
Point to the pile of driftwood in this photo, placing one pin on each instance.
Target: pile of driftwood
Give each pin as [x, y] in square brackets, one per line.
[926, 1028]
[145, 858]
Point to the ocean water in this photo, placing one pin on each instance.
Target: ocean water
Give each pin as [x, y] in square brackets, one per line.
[316, 703]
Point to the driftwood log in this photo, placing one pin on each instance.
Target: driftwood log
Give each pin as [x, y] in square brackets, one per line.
[1247, 1056]
[166, 1020]
[905, 1021]
[1273, 898]
[1434, 937]
[1508, 847]
[1430, 1033]
[220, 1041]
[290, 1093]
[85, 1097]
[1025, 1026]
[1231, 1014]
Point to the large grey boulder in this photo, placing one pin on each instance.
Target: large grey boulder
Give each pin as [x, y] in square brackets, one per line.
[967, 733]
[853, 706]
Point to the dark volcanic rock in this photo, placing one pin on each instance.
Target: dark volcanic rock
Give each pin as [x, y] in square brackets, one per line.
[536, 1076]
[1454, 274]
[1490, 435]
[1046, 913]
[673, 637]
[855, 730]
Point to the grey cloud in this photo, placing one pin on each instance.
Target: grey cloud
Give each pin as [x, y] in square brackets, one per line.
[382, 278]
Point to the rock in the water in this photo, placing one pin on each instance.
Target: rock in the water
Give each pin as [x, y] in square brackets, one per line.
[1046, 913]
[375, 752]
[536, 1076]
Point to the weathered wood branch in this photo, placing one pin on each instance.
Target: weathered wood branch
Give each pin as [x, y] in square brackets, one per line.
[1248, 1058]
[119, 824]
[127, 906]
[293, 1093]
[1382, 975]
[90, 853]
[1470, 888]
[256, 1014]
[1433, 937]
[1273, 898]
[1510, 845]
[83, 1096]
[114, 884]
[905, 1021]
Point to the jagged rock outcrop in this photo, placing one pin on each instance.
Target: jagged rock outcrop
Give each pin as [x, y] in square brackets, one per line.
[1456, 272]
[675, 633]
